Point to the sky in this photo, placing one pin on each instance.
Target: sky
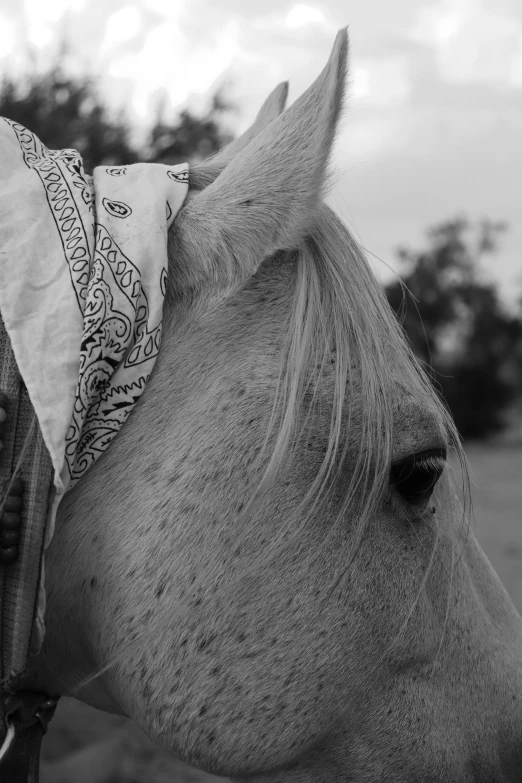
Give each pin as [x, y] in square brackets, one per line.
[433, 127]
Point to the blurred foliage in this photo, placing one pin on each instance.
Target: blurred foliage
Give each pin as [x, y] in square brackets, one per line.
[191, 138]
[457, 326]
[67, 111]
[64, 111]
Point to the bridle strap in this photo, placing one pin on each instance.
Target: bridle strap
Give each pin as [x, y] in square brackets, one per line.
[27, 716]
[22, 761]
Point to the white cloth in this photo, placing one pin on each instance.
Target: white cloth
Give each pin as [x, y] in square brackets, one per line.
[83, 269]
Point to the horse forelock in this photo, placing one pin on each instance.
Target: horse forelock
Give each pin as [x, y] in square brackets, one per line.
[340, 324]
[339, 317]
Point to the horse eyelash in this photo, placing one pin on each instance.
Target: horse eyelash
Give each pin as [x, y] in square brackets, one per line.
[430, 462]
[426, 462]
[415, 516]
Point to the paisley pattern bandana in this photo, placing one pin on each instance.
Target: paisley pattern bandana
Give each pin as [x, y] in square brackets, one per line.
[83, 270]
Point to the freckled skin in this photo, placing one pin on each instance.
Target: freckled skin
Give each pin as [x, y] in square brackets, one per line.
[410, 670]
[270, 675]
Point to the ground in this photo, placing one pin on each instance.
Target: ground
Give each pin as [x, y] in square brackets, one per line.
[497, 501]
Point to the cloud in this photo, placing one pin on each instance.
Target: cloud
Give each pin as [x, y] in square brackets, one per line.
[446, 162]
[473, 42]
[7, 36]
[303, 14]
[122, 25]
[42, 17]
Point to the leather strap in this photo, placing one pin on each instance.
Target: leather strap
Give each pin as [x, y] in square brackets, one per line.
[22, 762]
[28, 715]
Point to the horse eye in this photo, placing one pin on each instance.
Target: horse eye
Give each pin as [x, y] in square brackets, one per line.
[415, 477]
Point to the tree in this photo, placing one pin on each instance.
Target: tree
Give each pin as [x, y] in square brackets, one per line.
[67, 111]
[457, 325]
[484, 377]
[191, 138]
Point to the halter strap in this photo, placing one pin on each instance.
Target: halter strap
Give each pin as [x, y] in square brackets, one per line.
[27, 717]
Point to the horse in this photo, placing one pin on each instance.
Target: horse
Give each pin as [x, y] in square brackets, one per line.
[271, 569]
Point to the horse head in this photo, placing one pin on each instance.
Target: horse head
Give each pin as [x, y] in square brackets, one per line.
[271, 568]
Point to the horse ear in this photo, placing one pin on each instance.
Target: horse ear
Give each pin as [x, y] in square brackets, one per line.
[271, 108]
[266, 197]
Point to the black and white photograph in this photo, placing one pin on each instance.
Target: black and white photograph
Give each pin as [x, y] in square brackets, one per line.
[260, 391]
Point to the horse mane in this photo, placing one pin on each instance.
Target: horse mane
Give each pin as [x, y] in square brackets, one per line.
[339, 310]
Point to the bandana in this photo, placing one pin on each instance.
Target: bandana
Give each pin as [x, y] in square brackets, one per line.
[83, 270]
